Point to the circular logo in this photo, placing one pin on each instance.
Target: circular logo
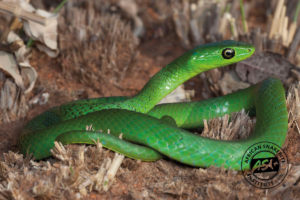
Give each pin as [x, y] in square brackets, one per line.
[264, 165]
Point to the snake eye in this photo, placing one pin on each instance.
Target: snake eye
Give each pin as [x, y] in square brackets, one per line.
[228, 53]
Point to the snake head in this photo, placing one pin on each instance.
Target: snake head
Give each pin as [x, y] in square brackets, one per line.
[218, 54]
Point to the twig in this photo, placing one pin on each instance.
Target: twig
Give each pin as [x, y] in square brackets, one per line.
[274, 26]
[17, 11]
[292, 31]
[294, 45]
[245, 25]
[297, 12]
[280, 28]
[233, 27]
[57, 9]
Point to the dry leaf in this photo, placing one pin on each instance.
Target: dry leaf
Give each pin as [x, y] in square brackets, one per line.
[9, 65]
[30, 74]
[27, 73]
[47, 34]
[263, 65]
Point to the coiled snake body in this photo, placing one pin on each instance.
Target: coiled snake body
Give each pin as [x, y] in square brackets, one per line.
[150, 131]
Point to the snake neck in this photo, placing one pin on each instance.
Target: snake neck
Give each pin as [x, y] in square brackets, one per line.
[193, 62]
[164, 82]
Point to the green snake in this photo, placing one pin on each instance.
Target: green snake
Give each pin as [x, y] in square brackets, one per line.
[150, 131]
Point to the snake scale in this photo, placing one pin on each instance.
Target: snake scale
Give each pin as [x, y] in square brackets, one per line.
[151, 131]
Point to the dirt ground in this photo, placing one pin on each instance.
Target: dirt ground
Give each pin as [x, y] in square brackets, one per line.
[164, 179]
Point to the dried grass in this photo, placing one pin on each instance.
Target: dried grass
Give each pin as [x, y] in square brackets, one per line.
[79, 171]
[104, 49]
[238, 126]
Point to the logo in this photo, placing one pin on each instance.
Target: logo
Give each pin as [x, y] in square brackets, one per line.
[264, 165]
